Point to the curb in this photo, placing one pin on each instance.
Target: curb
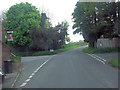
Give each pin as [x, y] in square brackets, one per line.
[17, 76]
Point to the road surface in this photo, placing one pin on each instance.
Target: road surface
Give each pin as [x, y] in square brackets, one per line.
[70, 69]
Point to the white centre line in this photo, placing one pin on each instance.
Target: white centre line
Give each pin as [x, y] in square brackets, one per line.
[26, 81]
[23, 84]
[30, 77]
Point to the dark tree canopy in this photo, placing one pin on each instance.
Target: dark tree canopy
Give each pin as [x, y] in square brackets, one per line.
[93, 19]
[51, 38]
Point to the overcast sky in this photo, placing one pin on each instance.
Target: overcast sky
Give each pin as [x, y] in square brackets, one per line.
[58, 11]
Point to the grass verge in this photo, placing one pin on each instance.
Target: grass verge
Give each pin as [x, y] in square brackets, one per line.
[99, 50]
[115, 62]
[66, 47]
[16, 59]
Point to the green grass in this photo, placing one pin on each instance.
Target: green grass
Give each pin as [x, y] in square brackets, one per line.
[115, 62]
[99, 50]
[66, 47]
[16, 59]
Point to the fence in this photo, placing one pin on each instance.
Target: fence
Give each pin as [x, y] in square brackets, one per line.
[108, 43]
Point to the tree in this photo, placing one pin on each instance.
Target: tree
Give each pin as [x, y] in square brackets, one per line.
[41, 38]
[44, 21]
[33, 30]
[93, 19]
[49, 38]
[85, 20]
[67, 39]
[2, 15]
[58, 34]
[22, 18]
[117, 22]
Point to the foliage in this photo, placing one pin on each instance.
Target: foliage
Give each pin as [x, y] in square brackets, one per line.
[44, 21]
[22, 19]
[49, 38]
[115, 62]
[67, 39]
[93, 19]
[75, 44]
[17, 58]
[33, 30]
[117, 22]
[66, 47]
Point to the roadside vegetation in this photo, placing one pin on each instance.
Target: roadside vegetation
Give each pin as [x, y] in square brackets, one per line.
[115, 62]
[32, 29]
[65, 47]
[15, 58]
[99, 50]
[33, 32]
[99, 19]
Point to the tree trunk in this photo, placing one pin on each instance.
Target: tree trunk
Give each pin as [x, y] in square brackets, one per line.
[91, 44]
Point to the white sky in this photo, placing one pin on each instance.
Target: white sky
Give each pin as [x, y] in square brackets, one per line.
[58, 10]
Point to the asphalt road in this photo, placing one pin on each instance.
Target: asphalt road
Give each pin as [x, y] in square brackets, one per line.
[71, 69]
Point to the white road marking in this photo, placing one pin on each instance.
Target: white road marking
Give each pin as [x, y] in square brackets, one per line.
[35, 71]
[32, 74]
[27, 80]
[22, 85]
[30, 77]
[97, 58]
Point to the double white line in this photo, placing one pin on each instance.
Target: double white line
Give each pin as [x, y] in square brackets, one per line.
[98, 58]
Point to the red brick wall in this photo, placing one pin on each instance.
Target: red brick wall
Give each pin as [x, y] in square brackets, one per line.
[5, 54]
[4, 49]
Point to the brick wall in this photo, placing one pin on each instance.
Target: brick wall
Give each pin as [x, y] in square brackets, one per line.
[5, 54]
[4, 49]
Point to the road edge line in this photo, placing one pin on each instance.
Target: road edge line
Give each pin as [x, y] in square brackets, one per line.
[98, 59]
